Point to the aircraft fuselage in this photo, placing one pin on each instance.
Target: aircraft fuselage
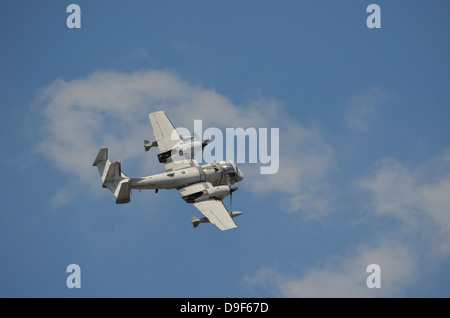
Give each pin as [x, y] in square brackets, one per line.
[221, 173]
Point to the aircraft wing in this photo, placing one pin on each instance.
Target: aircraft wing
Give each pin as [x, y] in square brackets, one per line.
[168, 139]
[216, 213]
[164, 131]
[213, 209]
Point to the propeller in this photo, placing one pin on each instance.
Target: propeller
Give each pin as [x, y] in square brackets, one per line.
[232, 189]
[204, 143]
[231, 196]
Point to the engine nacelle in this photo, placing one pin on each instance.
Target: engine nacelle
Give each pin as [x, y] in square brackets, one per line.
[181, 152]
[217, 193]
[196, 221]
[191, 148]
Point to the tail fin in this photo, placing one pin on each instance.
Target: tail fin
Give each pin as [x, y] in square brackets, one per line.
[102, 156]
[112, 177]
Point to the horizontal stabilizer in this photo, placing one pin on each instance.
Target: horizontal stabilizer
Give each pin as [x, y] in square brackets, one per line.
[112, 177]
[123, 192]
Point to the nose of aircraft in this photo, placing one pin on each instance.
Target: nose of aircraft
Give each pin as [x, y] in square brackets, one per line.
[240, 175]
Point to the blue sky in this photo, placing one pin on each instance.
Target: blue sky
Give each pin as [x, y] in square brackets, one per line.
[364, 147]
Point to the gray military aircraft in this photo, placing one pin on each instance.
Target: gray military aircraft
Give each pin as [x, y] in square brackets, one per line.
[203, 186]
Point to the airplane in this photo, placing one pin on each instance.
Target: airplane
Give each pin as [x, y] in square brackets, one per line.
[204, 186]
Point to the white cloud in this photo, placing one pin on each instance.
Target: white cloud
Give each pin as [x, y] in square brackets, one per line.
[305, 160]
[408, 250]
[361, 107]
[141, 55]
[185, 46]
[347, 277]
[110, 109]
[419, 197]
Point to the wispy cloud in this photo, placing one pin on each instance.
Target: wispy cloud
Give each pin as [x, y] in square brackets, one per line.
[305, 160]
[363, 106]
[347, 277]
[141, 55]
[417, 198]
[185, 46]
[111, 109]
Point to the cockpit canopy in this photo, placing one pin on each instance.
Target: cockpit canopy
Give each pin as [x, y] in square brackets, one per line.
[231, 170]
[227, 167]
